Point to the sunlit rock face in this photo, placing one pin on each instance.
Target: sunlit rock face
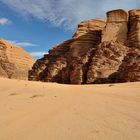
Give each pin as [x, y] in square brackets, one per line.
[107, 59]
[100, 51]
[134, 28]
[87, 36]
[67, 62]
[14, 61]
[116, 27]
[129, 70]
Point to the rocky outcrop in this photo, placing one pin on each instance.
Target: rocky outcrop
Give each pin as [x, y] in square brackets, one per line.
[14, 61]
[87, 36]
[59, 64]
[107, 59]
[101, 51]
[134, 27]
[50, 66]
[129, 70]
[116, 27]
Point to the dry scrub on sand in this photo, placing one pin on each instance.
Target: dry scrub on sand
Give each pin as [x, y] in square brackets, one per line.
[50, 111]
[12, 94]
[37, 95]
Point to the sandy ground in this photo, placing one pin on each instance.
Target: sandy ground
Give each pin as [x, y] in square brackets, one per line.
[49, 111]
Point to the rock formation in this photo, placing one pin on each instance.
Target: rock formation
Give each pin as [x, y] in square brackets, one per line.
[116, 27]
[14, 61]
[134, 29]
[101, 51]
[129, 70]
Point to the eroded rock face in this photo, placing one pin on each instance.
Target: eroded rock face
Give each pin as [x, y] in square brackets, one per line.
[87, 36]
[129, 70]
[5, 66]
[14, 61]
[107, 59]
[116, 27]
[62, 62]
[134, 26]
[50, 66]
[99, 52]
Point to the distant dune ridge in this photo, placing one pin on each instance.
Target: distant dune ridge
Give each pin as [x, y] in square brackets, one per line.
[101, 51]
[14, 61]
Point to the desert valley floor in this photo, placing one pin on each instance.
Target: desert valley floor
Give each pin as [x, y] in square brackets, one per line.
[50, 111]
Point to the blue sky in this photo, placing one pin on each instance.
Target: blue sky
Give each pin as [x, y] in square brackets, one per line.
[38, 25]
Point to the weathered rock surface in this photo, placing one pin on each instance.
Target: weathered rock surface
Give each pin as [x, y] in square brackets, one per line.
[59, 64]
[129, 70]
[116, 27]
[14, 61]
[99, 52]
[134, 27]
[50, 66]
[87, 36]
[107, 59]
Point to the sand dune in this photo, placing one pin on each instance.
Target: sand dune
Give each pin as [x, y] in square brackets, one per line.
[50, 111]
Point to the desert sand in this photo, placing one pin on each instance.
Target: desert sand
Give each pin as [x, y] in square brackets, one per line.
[50, 111]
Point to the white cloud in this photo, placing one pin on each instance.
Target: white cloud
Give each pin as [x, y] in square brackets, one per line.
[37, 54]
[22, 44]
[68, 13]
[4, 21]
[25, 44]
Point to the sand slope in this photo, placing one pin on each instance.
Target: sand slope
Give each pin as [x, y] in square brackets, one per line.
[49, 111]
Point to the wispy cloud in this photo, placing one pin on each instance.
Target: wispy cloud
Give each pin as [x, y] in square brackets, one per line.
[22, 44]
[68, 13]
[4, 21]
[37, 54]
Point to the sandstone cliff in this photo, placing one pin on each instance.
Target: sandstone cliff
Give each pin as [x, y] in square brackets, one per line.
[100, 51]
[14, 61]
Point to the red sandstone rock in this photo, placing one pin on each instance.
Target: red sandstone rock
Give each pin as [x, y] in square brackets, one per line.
[108, 57]
[61, 62]
[129, 70]
[99, 52]
[116, 28]
[14, 61]
[134, 26]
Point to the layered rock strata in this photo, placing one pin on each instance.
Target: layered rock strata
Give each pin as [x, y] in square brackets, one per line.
[14, 61]
[116, 27]
[101, 51]
[59, 64]
[134, 29]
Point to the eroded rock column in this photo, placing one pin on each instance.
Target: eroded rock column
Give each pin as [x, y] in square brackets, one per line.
[110, 53]
[86, 38]
[117, 26]
[134, 32]
[129, 71]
